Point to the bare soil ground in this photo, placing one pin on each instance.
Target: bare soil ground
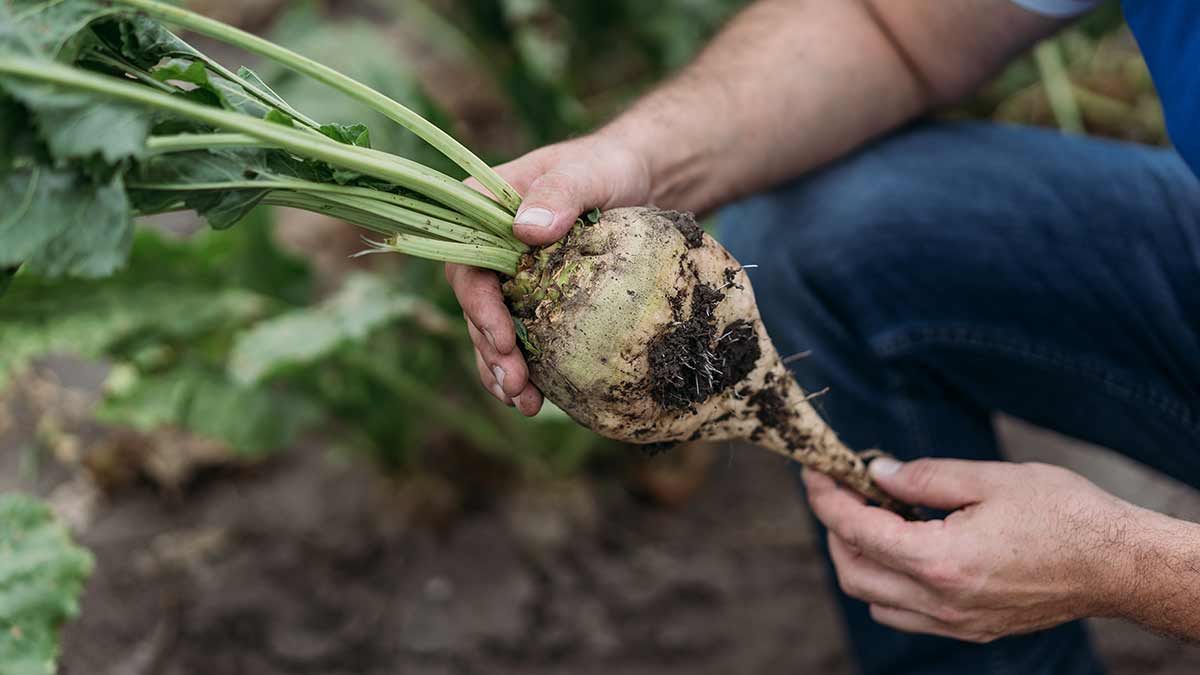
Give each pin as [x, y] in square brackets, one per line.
[314, 565]
[310, 567]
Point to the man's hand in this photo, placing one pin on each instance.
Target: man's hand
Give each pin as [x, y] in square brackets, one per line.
[1027, 547]
[559, 183]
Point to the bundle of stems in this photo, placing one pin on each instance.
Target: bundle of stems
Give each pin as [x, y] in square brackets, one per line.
[421, 211]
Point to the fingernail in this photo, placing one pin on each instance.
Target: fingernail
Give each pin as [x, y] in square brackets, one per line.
[499, 373]
[488, 334]
[535, 217]
[884, 466]
[500, 393]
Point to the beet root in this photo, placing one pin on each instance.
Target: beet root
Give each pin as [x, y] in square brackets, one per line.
[645, 329]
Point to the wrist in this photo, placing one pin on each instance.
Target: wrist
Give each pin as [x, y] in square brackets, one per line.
[673, 169]
[1109, 575]
[1135, 548]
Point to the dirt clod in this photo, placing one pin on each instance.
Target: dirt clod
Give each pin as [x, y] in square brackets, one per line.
[692, 362]
[731, 278]
[773, 413]
[692, 233]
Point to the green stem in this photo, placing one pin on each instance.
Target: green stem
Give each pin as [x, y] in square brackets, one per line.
[429, 132]
[141, 75]
[418, 223]
[501, 260]
[265, 97]
[398, 170]
[1058, 87]
[363, 199]
[192, 142]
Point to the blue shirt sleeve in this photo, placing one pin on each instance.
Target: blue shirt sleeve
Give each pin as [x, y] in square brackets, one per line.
[1058, 7]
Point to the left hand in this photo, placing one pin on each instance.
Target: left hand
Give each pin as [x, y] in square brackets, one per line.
[1027, 547]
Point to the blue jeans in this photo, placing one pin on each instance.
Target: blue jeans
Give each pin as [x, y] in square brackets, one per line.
[952, 270]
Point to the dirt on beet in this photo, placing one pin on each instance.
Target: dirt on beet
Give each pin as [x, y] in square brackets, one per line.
[772, 411]
[691, 361]
[693, 234]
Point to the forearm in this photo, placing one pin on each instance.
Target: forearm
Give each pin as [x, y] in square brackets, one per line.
[1156, 582]
[791, 84]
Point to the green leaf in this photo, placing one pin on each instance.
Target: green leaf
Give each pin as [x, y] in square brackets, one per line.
[143, 41]
[47, 26]
[80, 126]
[209, 89]
[350, 134]
[41, 580]
[221, 208]
[251, 421]
[113, 317]
[63, 224]
[73, 125]
[304, 336]
[593, 216]
[527, 343]
[280, 118]
[256, 81]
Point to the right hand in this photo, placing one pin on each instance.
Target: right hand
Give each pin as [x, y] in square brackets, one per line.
[559, 183]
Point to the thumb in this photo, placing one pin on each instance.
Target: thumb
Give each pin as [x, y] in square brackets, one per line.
[555, 200]
[945, 484]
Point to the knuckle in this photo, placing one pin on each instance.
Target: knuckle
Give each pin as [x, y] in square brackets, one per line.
[852, 538]
[559, 183]
[849, 585]
[982, 637]
[943, 574]
[1052, 472]
[949, 615]
[880, 615]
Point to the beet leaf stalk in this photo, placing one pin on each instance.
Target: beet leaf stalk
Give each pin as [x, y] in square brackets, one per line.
[637, 324]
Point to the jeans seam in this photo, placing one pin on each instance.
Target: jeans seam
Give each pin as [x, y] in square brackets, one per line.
[898, 343]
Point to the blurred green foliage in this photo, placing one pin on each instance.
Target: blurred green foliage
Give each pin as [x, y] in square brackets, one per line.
[565, 65]
[41, 578]
[220, 335]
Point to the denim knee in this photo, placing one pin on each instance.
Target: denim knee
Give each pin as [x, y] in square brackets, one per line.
[807, 244]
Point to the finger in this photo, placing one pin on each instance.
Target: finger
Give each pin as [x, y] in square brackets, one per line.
[489, 380]
[911, 622]
[880, 534]
[819, 482]
[519, 173]
[478, 292]
[946, 484]
[510, 370]
[529, 401]
[555, 200]
[863, 578]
